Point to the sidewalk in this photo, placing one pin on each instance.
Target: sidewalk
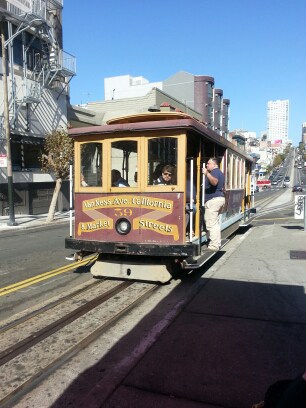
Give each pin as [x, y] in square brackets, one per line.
[32, 221]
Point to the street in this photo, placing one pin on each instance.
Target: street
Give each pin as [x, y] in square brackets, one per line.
[28, 253]
[245, 325]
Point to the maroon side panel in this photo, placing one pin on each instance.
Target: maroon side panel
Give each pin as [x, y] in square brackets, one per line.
[234, 199]
[154, 218]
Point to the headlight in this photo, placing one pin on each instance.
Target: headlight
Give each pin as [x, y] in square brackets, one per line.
[123, 226]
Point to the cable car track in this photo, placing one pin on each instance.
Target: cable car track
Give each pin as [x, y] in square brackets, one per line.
[28, 315]
[267, 200]
[277, 208]
[263, 204]
[38, 343]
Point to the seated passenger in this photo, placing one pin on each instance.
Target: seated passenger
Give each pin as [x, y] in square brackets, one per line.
[166, 176]
[83, 182]
[157, 172]
[117, 180]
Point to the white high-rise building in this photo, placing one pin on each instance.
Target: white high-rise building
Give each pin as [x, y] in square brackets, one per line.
[277, 121]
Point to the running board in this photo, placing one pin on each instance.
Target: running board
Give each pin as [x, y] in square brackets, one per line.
[196, 262]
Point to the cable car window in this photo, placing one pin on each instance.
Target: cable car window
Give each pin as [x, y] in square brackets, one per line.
[229, 171]
[239, 172]
[162, 161]
[91, 164]
[242, 174]
[234, 172]
[124, 163]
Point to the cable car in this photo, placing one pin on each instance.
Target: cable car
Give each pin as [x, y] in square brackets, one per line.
[144, 224]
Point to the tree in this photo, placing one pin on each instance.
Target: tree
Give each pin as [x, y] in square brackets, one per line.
[269, 168]
[278, 159]
[56, 158]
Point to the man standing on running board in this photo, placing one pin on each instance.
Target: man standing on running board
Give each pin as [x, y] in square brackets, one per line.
[214, 201]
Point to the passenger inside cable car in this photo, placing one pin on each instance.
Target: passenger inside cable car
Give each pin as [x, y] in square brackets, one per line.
[162, 152]
[117, 180]
[166, 177]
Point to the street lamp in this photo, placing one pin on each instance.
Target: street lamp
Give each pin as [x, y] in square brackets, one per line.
[11, 221]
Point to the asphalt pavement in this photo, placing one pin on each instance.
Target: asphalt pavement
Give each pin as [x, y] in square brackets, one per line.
[243, 330]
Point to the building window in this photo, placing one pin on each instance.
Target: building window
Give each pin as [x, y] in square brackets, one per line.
[16, 151]
[32, 154]
[26, 153]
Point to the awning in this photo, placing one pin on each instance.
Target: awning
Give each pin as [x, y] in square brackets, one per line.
[28, 140]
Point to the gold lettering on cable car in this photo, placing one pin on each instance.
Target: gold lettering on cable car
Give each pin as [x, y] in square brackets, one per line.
[129, 201]
[157, 226]
[95, 225]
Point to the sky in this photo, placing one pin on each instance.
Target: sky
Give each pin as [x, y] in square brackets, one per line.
[254, 49]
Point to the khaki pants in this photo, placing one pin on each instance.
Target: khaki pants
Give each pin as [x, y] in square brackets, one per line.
[211, 216]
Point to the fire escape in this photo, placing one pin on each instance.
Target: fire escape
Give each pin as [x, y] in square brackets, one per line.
[51, 67]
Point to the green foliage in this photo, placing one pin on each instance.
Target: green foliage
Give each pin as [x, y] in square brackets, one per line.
[58, 153]
[278, 159]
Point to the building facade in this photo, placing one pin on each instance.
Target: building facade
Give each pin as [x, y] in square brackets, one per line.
[304, 133]
[38, 76]
[278, 121]
[195, 92]
[126, 86]
[98, 113]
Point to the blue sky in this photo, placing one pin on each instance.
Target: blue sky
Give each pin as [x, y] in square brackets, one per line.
[254, 49]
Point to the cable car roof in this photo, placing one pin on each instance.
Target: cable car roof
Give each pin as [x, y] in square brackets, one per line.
[156, 121]
[148, 116]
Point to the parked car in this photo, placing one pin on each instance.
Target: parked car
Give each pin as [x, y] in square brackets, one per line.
[297, 189]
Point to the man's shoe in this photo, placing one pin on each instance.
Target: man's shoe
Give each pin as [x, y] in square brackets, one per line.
[211, 248]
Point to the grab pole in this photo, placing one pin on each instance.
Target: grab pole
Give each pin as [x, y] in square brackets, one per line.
[203, 185]
[70, 198]
[191, 202]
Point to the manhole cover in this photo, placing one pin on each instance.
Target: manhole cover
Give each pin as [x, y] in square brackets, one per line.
[298, 255]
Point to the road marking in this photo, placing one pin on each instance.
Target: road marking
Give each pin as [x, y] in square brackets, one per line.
[272, 219]
[35, 279]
